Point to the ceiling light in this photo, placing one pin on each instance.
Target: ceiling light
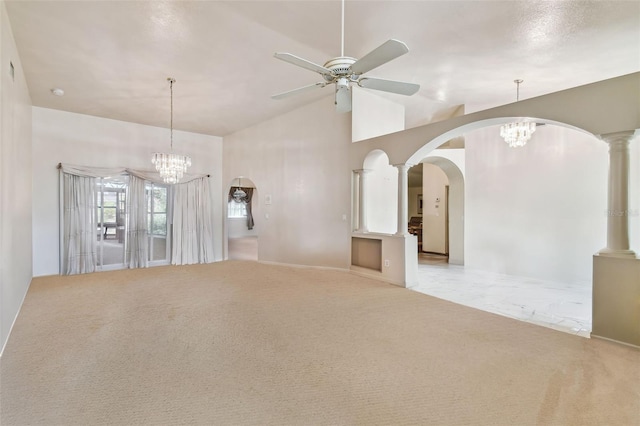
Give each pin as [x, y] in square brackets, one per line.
[518, 133]
[171, 166]
[239, 195]
[57, 91]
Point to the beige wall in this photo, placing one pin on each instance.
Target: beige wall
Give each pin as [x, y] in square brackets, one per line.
[300, 161]
[64, 137]
[434, 210]
[15, 182]
[616, 299]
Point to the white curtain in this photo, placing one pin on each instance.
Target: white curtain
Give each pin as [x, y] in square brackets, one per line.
[192, 223]
[79, 234]
[151, 176]
[136, 243]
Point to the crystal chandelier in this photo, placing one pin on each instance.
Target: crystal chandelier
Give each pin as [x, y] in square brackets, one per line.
[171, 166]
[517, 133]
[239, 195]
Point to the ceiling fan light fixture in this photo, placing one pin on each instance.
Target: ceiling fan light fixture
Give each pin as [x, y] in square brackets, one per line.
[345, 70]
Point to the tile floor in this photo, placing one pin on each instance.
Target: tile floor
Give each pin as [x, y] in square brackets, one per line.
[563, 307]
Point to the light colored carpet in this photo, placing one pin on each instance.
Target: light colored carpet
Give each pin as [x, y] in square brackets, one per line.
[241, 343]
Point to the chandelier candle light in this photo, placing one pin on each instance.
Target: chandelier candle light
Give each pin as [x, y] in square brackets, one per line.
[171, 166]
[517, 133]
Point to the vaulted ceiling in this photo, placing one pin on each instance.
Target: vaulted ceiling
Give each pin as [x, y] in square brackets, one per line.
[112, 58]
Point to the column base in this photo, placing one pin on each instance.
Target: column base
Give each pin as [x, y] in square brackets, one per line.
[617, 253]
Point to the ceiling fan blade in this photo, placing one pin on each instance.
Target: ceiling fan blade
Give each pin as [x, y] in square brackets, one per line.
[343, 99]
[382, 54]
[298, 90]
[391, 86]
[295, 60]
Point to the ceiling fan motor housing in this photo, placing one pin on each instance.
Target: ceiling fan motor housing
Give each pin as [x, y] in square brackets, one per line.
[340, 67]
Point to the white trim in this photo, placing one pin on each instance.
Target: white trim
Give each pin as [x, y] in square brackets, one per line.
[294, 265]
[15, 318]
[376, 275]
[631, 345]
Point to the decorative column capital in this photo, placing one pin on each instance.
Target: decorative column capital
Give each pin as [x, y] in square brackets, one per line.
[362, 171]
[403, 167]
[618, 137]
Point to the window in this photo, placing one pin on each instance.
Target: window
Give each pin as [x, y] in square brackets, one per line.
[110, 200]
[157, 221]
[237, 210]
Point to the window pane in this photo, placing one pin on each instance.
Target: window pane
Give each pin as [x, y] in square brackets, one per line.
[237, 209]
[159, 226]
[109, 214]
[159, 200]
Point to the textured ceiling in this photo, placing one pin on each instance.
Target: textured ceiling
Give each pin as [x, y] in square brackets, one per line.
[112, 58]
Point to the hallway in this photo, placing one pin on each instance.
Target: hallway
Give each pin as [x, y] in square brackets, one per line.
[563, 307]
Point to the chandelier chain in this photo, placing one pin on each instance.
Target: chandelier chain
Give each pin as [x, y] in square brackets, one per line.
[171, 81]
[517, 82]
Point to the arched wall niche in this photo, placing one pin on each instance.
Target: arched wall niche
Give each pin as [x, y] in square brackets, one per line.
[382, 186]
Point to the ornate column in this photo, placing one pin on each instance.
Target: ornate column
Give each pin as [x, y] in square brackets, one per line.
[361, 188]
[618, 197]
[403, 198]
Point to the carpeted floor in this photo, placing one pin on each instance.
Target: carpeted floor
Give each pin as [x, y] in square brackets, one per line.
[242, 343]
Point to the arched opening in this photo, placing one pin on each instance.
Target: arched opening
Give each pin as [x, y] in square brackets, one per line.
[242, 234]
[531, 218]
[441, 193]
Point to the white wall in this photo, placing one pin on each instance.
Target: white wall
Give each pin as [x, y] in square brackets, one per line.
[15, 182]
[299, 160]
[434, 209]
[537, 211]
[374, 115]
[381, 192]
[64, 137]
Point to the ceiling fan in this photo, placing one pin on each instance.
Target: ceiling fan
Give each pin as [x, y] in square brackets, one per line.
[344, 71]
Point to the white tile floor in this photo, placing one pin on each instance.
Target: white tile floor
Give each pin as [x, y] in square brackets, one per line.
[564, 307]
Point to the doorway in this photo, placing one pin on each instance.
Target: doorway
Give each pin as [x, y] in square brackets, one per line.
[439, 185]
[242, 235]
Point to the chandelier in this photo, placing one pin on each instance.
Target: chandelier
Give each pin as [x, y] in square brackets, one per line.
[171, 166]
[517, 133]
[239, 195]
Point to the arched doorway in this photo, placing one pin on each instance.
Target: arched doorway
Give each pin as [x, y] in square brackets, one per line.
[447, 207]
[242, 235]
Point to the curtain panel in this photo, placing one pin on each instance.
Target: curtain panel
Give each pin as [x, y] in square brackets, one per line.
[136, 243]
[192, 223]
[79, 225]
